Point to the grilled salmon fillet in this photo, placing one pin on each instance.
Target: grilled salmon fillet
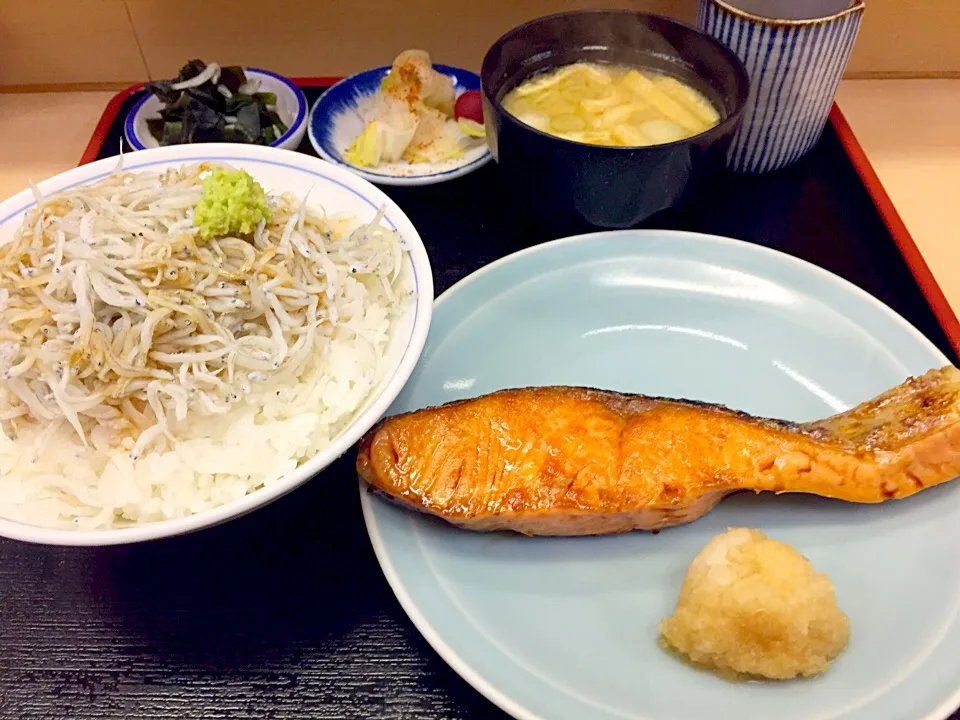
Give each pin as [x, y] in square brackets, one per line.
[579, 461]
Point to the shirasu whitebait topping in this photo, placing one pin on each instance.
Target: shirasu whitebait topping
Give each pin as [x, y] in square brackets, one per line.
[117, 318]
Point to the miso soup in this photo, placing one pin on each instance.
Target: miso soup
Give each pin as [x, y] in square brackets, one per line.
[611, 105]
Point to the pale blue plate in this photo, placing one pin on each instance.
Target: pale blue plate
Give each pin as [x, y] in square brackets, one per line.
[565, 629]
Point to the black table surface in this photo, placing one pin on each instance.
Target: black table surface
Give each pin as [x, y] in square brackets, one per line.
[284, 613]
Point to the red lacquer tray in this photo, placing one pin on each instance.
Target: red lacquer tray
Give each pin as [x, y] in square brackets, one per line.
[284, 614]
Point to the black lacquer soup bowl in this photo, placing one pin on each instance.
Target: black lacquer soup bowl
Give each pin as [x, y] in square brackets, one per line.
[572, 186]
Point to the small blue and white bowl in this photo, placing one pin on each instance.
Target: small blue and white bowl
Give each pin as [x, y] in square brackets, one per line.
[291, 107]
[335, 122]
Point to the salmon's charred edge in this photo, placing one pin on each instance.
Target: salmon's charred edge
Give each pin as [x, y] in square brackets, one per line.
[536, 524]
[617, 401]
[819, 429]
[393, 499]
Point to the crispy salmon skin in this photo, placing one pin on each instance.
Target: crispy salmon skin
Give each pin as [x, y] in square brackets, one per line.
[578, 461]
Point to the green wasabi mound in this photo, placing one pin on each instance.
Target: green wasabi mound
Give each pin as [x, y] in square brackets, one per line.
[233, 203]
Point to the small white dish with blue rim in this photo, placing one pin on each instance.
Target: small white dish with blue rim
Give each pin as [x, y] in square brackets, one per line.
[291, 107]
[566, 628]
[335, 121]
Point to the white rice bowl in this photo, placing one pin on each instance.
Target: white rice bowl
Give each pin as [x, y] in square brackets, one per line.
[282, 432]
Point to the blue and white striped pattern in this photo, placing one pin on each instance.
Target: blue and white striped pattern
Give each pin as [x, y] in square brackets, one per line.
[795, 67]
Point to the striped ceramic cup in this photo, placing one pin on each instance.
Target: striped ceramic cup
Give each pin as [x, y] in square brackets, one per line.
[795, 64]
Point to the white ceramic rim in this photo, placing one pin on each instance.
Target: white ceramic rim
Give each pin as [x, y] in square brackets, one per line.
[383, 178]
[420, 621]
[129, 123]
[342, 443]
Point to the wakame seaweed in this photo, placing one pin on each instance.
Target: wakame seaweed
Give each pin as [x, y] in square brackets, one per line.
[213, 111]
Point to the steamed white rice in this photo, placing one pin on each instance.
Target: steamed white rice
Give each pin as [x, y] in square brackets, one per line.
[218, 458]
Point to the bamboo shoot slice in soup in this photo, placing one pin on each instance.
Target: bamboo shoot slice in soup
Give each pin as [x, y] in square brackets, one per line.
[611, 105]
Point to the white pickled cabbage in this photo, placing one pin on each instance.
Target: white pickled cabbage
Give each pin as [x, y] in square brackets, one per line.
[410, 118]
[386, 136]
